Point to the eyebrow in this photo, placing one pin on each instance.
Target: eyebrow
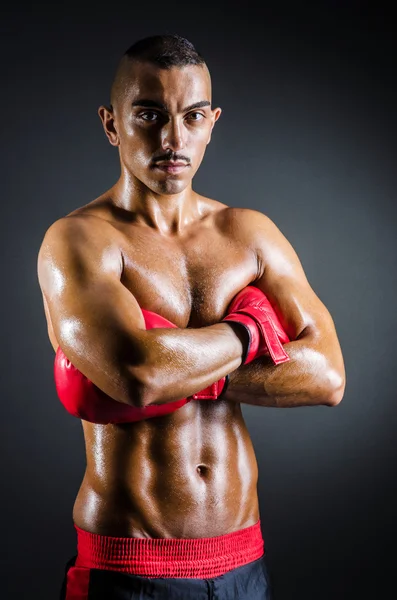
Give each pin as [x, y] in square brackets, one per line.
[153, 104]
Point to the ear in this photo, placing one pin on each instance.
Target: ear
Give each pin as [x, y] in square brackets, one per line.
[108, 121]
[216, 113]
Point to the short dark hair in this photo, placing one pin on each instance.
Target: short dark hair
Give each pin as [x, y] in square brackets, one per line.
[165, 51]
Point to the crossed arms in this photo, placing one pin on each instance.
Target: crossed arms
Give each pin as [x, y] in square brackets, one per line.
[99, 325]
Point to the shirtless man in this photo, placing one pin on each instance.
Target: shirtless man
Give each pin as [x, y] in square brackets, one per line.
[136, 286]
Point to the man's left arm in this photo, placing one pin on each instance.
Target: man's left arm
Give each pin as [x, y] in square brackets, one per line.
[315, 373]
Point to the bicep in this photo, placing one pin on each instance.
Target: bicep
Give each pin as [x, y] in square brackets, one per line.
[284, 282]
[97, 322]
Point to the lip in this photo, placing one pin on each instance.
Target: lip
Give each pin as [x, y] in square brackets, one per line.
[171, 167]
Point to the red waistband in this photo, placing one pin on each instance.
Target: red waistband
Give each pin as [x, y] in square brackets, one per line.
[168, 557]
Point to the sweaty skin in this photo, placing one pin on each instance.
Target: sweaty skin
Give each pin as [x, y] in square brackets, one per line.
[192, 473]
[152, 242]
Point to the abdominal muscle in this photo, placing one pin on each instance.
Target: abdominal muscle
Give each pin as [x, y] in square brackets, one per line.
[191, 474]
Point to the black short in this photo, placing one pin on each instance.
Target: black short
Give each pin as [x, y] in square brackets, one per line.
[249, 582]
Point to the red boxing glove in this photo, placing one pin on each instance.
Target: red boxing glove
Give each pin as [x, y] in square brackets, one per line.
[252, 309]
[83, 399]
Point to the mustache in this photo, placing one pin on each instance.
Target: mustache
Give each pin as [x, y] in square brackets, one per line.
[172, 156]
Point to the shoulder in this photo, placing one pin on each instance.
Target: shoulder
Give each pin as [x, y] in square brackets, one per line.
[75, 228]
[249, 223]
[262, 236]
[74, 242]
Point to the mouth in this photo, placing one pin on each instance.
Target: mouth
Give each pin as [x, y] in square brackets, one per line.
[171, 167]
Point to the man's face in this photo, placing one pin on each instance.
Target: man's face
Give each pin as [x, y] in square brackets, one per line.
[164, 115]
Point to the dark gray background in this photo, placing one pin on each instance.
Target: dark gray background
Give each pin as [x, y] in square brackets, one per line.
[307, 136]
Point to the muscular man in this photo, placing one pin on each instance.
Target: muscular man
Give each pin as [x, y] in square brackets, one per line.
[167, 310]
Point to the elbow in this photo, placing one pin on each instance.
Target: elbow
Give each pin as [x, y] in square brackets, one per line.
[334, 398]
[145, 376]
[142, 391]
[335, 392]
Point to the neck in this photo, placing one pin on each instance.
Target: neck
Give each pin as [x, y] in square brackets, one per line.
[169, 214]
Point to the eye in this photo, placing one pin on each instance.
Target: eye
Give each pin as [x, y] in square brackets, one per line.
[199, 116]
[147, 116]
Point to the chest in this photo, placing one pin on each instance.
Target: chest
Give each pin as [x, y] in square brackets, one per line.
[189, 282]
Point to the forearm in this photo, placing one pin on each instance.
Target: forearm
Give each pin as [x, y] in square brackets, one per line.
[307, 379]
[180, 362]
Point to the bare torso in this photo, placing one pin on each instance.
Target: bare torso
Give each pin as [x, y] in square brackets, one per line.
[192, 473]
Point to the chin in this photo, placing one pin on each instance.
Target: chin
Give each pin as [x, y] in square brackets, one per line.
[168, 187]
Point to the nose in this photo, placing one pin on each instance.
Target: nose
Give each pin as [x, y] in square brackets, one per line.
[173, 136]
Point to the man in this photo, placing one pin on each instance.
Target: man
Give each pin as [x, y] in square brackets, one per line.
[167, 310]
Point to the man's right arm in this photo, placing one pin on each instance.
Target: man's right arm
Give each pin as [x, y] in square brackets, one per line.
[100, 327]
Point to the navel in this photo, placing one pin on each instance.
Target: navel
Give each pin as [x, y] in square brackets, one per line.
[202, 470]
